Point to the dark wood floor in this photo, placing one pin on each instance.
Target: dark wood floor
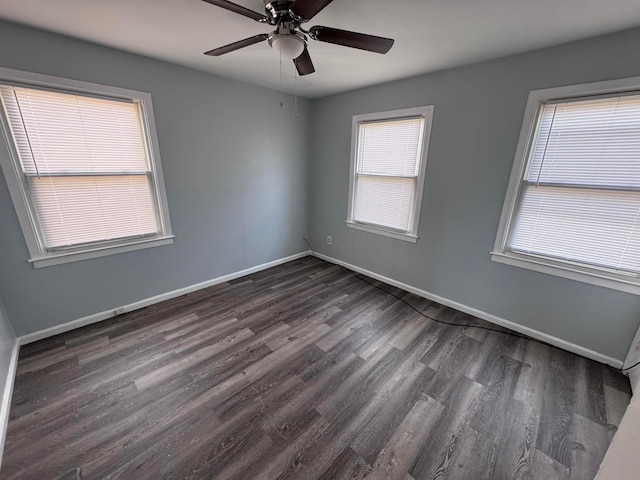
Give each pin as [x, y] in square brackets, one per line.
[304, 371]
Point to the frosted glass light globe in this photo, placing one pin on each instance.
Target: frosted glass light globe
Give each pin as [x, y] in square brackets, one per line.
[288, 46]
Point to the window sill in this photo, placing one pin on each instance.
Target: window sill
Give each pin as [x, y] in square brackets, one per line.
[573, 272]
[407, 237]
[67, 257]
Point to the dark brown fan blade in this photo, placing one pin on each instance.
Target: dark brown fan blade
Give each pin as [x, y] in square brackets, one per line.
[216, 52]
[307, 9]
[303, 63]
[346, 38]
[239, 9]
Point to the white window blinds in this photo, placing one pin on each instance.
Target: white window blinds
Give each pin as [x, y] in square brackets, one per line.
[580, 199]
[387, 169]
[85, 165]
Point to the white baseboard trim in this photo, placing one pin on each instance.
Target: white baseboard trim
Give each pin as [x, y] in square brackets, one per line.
[98, 317]
[6, 395]
[550, 339]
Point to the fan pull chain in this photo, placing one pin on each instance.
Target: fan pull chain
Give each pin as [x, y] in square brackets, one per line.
[281, 86]
[295, 93]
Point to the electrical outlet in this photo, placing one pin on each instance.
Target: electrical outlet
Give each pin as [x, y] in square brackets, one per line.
[329, 239]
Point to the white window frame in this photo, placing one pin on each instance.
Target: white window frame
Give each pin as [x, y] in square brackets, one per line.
[566, 269]
[425, 112]
[10, 164]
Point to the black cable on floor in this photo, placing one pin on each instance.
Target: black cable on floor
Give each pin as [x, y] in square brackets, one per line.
[452, 324]
[471, 325]
[629, 368]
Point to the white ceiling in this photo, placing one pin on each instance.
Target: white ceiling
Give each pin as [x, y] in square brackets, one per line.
[430, 34]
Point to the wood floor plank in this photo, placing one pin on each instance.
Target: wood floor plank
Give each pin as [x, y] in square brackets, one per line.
[71, 397]
[285, 353]
[439, 449]
[371, 380]
[240, 423]
[463, 354]
[231, 361]
[476, 457]
[369, 337]
[269, 384]
[516, 447]
[616, 403]
[43, 346]
[123, 461]
[347, 466]
[186, 340]
[348, 418]
[279, 458]
[588, 452]
[547, 468]
[408, 333]
[446, 340]
[98, 436]
[590, 400]
[341, 333]
[556, 417]
[373, 436]
[533, 376]
[365, 297]
[301, 328]
[164, 373]
[613, 379]
[305, 371]
[492, 411]
[222, 460]
[233, 469]
[399, 453]
[387, 332]
[133, 340]
[62, 354]
[317, 389]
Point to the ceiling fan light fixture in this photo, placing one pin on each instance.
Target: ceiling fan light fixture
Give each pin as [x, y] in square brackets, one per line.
[289, 39]
[288, 46]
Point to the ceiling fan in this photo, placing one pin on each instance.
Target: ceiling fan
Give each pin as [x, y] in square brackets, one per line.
[289, 39]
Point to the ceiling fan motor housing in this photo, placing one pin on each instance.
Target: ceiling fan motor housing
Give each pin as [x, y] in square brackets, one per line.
[285, 40]
[278, 11]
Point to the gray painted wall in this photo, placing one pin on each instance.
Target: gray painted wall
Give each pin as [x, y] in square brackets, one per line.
[477, 120]
[236, 170]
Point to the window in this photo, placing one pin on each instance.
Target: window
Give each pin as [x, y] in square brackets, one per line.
[388, 163]
[573, 205]
[83, 168]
